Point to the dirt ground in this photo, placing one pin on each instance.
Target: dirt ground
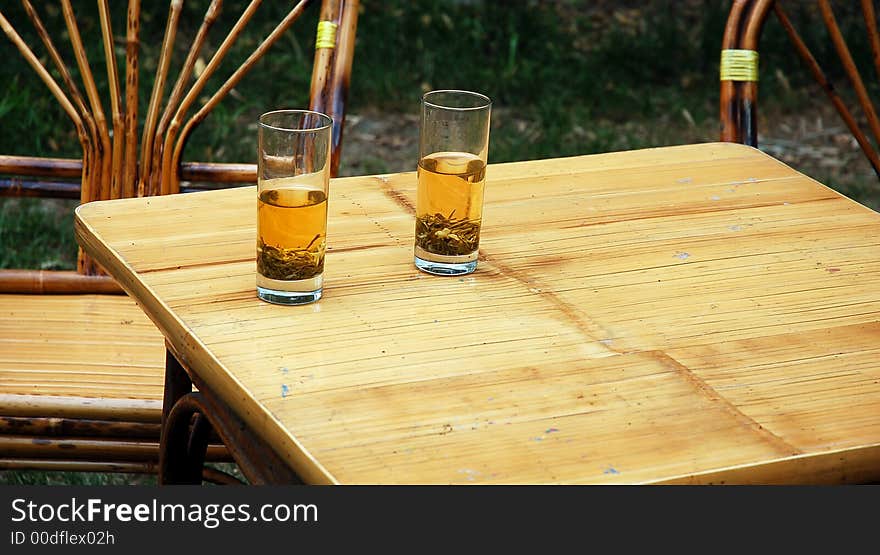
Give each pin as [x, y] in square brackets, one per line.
[814, 141]
[375, 142]
[817, 143]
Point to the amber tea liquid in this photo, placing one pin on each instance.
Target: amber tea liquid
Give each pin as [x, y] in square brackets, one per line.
[449, 211]
[291, 236]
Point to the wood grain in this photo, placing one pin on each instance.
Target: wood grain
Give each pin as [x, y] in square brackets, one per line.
[692, 314]
[56, 345]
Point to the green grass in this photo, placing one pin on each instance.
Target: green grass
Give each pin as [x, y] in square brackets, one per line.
[567, 77]
[41, 478]
[37, 234]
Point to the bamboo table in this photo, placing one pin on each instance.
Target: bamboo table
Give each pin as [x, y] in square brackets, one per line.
[693, 314]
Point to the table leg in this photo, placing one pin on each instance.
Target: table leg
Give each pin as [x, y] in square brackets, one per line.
[175, 466]
[189, 417]
[256, 459]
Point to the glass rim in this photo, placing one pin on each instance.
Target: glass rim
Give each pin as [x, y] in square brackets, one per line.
[327, 121]
[488, 101]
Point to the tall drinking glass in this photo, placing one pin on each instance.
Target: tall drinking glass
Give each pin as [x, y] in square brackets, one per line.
[453, 150]
[293, 182]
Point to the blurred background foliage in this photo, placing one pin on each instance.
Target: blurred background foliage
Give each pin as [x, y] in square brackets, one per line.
[567, 77]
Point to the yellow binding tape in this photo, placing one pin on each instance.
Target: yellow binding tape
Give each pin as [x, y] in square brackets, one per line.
[326, 35]
[739, 65]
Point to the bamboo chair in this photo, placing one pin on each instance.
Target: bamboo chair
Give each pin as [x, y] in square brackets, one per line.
[81, 367]
[739, 70]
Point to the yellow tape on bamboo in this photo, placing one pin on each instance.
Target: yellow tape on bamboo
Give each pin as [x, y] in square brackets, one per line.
[326, 35]
[739, 65]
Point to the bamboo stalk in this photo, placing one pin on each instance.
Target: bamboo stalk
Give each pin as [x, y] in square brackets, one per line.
[130, 170]
[337, 94]
[754, 23]
[873, 35]
[730, 107]
[849, 65]
[223, 172]
[32, 165]
[129, 449]
[195, 90]
[102, 152]
[66, 77]
[72, 167]
[115, 102]
[234, 79]
[752, 27]
[15, 187]
[54, 281]
[321, 68]
[68, 406]
[59, 95]
[819, 75]
[157, 94]
[54, 426]
[153, 177]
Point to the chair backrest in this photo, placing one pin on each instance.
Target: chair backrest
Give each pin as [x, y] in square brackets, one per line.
[739, 70]
[124, 159]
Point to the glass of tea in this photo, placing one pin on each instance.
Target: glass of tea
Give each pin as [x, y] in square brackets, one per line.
[453, 150]
[293, 182]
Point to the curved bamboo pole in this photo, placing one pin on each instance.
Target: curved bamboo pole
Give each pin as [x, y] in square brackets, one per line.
[176, 121]
[333, 97]
[84, 265]
[822, 80]
[153, 178]
[102, 158]
[752, 27]
[730, 107]
[129, 174]
[66, 77]
[873, 35]
[59, 96]
[173, 174]
[109, 168]
[849, 65]
[331, 11]
[115, 101]
[157, 93]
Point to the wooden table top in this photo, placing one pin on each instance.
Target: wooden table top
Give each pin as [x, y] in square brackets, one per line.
[692, 314]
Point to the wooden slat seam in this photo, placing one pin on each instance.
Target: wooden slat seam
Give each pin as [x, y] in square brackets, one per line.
[713, 395]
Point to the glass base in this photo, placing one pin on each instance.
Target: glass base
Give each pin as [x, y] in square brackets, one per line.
[290, 292]
[275, 296]
[445, 268]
